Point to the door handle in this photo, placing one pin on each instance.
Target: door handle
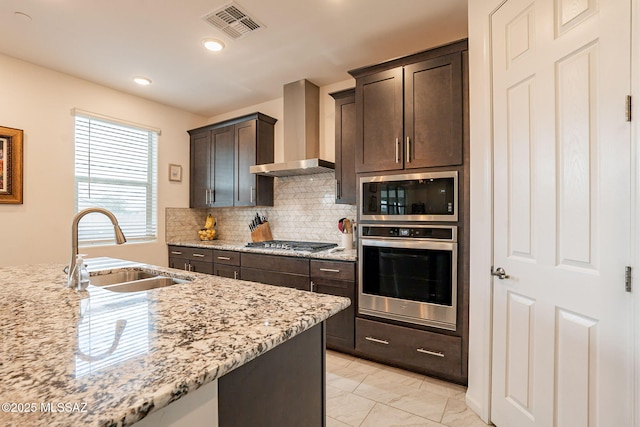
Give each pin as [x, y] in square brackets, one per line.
[397, 150]
[499, 273]
[408, 150]
[376, 340]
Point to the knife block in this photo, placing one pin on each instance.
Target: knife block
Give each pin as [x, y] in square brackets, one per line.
[262, 233]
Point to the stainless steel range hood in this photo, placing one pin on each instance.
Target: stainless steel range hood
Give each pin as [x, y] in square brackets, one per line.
[301, 134]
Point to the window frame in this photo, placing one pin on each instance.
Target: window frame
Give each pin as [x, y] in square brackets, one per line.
[149, 185]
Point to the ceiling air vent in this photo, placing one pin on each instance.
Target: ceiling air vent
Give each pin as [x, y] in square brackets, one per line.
[233, 20]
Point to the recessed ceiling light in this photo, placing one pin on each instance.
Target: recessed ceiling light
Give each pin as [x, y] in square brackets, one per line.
[213, 45]
[142, 81]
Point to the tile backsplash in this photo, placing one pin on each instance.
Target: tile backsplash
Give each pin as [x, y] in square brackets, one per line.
[304, 209]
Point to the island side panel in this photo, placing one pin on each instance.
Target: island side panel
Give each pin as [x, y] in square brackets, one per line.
[284, 387]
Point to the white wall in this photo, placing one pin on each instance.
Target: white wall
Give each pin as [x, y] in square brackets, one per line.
[275, 109]
[40, 102]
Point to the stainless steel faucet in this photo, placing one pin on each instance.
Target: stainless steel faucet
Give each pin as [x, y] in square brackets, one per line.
[120, 239]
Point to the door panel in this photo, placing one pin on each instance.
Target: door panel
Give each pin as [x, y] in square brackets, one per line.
[245, 188]
[562, 174]
[380, 116]
[222, 143]
[577, 141]
[200, 170]
[433, 112]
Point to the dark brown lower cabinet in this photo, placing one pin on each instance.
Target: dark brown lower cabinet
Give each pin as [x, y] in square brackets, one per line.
[226, 264]
[191, 259]
[322, 276]
[291, 272]
[337, 278]
[283, 387]
[422, 351]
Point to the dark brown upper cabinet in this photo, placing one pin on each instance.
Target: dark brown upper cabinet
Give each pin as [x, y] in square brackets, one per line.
[221, 154]
[409, 111]
[345, 158]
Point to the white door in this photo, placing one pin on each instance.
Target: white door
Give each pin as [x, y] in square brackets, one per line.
[562, 319]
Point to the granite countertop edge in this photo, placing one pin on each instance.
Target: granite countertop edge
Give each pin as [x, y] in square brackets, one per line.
[342, 255]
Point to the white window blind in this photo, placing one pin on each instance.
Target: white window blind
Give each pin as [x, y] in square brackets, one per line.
[116, 169]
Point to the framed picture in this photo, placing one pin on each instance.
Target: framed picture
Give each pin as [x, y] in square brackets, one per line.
[175, 173]
[10, 165]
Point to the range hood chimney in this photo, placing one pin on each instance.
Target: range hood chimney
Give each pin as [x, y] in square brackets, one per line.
[301, 134]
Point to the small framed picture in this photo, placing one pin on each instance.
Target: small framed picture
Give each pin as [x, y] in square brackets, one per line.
[175, 173]
[10, 165]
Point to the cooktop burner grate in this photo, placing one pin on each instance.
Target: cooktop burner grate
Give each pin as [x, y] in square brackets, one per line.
[290, 245]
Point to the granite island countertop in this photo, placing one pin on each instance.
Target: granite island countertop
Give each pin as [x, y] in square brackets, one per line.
[342, 255]
[114, 357]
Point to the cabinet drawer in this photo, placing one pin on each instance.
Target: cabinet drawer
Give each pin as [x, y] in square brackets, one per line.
[226, 257]
[340, 270]
[421, 350]
[288, 280]
[194, 254]
[177, 251]
[282, 264]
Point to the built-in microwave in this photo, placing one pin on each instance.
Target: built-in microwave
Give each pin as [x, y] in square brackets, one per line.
[428, 196]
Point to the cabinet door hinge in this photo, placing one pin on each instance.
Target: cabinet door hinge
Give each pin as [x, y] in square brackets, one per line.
[627, 278]
[628, 108]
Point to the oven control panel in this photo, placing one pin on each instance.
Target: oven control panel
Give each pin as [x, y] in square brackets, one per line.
[414, 232]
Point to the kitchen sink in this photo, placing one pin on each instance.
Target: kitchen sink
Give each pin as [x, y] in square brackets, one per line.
[133, 281]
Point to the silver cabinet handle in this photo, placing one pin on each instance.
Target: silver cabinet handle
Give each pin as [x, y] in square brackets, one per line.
[176, 253]
[432, 353]
[235, 274]
[408, 150]
[377, 340]
[206, 197]
[251, 191]
[500, 273]
[330, 270]
[199, 255]
[226, 258]
[311, 285]
[397, 150]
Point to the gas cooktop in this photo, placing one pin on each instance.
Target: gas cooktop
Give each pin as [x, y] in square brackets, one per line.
[289, 245]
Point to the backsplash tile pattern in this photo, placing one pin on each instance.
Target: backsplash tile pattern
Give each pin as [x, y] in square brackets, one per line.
[304, 209]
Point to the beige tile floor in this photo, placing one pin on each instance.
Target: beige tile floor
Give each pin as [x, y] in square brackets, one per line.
[361, 393]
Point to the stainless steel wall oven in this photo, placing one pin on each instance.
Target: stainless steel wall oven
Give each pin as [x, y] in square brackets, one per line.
[408, 273]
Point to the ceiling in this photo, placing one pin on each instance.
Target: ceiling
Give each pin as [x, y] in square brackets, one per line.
[110, 42]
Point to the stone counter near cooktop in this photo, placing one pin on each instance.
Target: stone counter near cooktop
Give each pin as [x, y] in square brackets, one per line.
[128, 354]
[343, 255]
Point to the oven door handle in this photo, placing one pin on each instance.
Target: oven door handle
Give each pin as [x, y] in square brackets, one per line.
[408, 244]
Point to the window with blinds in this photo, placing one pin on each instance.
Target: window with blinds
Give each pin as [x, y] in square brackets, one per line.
[115, 169]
